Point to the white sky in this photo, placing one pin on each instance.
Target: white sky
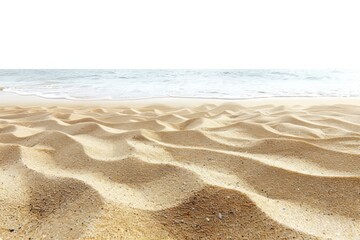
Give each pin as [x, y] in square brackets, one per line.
[179, 34]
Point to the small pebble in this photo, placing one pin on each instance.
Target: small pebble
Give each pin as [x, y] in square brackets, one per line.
[220, 216]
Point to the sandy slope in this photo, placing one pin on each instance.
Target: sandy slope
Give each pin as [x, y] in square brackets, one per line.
[212, 171]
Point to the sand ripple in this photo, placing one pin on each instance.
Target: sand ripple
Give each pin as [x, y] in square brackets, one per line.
[159, 172]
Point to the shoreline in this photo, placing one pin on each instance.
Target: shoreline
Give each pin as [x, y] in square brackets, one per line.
[13, 99]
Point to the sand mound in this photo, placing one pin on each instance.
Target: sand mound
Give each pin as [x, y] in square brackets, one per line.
[161, 172]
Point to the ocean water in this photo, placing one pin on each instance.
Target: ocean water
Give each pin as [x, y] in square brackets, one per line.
[223, 84]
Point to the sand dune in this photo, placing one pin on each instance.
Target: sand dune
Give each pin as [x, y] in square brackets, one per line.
[162, 172]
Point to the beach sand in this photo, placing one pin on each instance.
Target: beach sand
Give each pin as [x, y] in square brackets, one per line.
[261, 169]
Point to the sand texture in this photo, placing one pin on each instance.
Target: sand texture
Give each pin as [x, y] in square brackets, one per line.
[160, 172]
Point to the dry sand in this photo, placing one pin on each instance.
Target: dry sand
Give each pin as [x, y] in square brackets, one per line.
[236, 170]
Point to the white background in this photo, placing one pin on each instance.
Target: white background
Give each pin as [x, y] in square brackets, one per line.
[179, 34]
